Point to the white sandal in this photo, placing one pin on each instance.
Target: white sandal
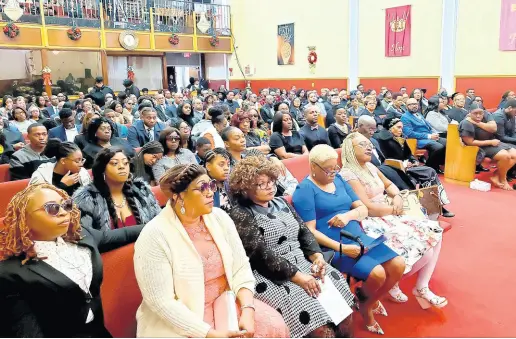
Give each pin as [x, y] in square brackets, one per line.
[427, 298]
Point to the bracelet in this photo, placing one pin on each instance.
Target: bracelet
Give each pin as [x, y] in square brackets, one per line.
[247, 306]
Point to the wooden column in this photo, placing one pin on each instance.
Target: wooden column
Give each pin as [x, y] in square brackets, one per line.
[104, 63]
[165, 75]
[44, 63]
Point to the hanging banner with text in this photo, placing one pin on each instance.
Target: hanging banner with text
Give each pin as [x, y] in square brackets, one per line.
[397, 31]
[508, 26]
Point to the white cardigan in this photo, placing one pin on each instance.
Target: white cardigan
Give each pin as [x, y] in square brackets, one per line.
[170, 274]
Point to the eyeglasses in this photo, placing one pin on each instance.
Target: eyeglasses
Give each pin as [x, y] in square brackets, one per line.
[266, 185]
[205, 186]
[365, 145]
[171, 138]
[78, 161]
[52, 208]
[334, 171]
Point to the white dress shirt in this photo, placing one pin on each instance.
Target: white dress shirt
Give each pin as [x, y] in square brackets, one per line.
[71, 260]
[71, 133]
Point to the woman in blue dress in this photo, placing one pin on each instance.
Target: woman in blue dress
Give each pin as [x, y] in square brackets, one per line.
[327, 204]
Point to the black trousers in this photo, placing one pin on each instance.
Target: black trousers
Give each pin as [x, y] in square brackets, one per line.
[436, 153]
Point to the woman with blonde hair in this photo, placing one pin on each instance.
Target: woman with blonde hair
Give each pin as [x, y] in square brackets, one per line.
[417, 240]
[51, 268]
[327, 204]
[190, 264]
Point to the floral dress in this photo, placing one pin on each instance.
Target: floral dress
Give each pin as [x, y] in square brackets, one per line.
[408, 236]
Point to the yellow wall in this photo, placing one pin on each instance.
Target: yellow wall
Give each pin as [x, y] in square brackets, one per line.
[424, 59]
[324, 25]
[478, 32]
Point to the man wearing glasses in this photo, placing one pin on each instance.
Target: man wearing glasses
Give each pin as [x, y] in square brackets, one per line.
[416, 127]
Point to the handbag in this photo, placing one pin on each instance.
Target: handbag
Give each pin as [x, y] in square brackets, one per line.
[411, 204]
[429, 199]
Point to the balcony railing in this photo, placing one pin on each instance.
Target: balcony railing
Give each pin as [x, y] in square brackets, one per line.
[174, 16]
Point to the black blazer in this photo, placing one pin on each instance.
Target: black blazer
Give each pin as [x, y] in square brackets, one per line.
[37, 300]
[392, 149]
[336, 136]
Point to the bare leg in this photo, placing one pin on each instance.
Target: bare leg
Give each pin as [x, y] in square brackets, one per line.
[394, 269]
[503, 160]
[373, 283]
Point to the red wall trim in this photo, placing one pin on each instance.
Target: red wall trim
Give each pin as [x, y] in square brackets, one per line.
[307, 84]
[490, 89]
[394, 84]
[215, 84]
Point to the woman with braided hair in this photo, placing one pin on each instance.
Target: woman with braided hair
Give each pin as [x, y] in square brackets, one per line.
[114, 199]
[190, 264]
[51, 268]
[217, 167]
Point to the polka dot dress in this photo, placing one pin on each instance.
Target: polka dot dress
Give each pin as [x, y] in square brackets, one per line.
[302, 313]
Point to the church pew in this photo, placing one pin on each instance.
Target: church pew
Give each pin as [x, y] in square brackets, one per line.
[4, 173]
[460, 159]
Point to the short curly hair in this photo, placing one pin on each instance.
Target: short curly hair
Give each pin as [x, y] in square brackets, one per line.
[242, 179]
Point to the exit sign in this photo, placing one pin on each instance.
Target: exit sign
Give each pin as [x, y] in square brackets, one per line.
[187, 55]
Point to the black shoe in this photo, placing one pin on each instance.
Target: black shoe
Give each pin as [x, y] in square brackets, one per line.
[481, 168]
[440, 171]
[447, 214]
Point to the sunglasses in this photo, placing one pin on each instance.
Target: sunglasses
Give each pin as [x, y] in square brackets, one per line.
[52, 208]
[205, 186]
[173, 138]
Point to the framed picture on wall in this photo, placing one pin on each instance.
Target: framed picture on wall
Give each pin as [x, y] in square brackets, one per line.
[285, 49]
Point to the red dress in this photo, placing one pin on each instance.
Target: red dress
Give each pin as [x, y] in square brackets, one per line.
[129, 221]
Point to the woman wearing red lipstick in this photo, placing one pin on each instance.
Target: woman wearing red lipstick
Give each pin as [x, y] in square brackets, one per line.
[51, 268]
[114, 199]
[190, 265]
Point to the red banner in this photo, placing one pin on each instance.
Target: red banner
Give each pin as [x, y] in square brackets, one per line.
[508, 26]
[397, 31]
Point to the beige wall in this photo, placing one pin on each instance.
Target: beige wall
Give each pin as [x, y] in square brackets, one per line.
[424, 59]
[324, 25]
[478, 32]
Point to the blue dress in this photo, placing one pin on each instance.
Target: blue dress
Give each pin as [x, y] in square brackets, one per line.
[312, 203]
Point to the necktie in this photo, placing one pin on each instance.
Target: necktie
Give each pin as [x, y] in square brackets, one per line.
[163, 108]
[150, 134]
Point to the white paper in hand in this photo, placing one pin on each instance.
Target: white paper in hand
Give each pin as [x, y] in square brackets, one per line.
[333, 302]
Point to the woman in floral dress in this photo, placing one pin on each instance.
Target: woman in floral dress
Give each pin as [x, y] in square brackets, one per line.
[417, 240]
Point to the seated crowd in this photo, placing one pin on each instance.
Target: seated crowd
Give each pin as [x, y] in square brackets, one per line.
[270, 246]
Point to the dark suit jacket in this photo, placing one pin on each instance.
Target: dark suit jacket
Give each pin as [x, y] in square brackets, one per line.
[170, 112]
[137, 135]
[90, 150]
[48, 112]
[267, 114]
[392, 149]
[36, 300]
[81, 141]
[59, 132]
[12, 137]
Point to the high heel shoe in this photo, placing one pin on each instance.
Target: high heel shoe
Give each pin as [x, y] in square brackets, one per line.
[379, 309]
[427, 298]
[397, 295]
[375, 328]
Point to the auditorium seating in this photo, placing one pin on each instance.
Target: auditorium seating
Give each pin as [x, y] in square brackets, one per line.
[120, 293]
[298, 166]
[8, 190]
[160, 196]
[460, 159]
[4, 173]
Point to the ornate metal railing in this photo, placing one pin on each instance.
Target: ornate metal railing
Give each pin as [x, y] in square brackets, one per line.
[175, 16]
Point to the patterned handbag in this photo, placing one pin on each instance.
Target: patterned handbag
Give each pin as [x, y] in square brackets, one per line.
[411, 204]
[429, 199]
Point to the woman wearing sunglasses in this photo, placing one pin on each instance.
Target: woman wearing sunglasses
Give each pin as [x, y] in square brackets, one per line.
[190, 265]
[51, 268]
[67, 173]
[170, 139]
[114, 199]
[327, 204]
[284, 255]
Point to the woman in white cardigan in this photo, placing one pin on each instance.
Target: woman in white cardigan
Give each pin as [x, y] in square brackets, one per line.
[186, 258]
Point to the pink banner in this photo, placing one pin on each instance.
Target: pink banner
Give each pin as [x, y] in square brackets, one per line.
[397, 31]
[508, 26]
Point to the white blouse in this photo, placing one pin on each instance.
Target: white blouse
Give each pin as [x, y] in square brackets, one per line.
[71, 260]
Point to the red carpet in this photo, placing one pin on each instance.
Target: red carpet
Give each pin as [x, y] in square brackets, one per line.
[475, 272]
